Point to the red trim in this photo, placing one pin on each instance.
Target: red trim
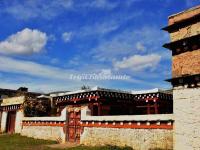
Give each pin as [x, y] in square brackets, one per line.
[127, 125]
[77, 99]
[133, 125]
[152, 99]
[43, 124]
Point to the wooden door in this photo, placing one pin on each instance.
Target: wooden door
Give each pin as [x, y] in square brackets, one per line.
[74, 128]
[10, 126]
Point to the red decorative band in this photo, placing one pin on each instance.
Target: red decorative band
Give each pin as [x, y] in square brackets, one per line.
[58, 124]
[132, 125]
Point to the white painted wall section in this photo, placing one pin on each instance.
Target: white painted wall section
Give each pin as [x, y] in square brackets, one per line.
[3, 121]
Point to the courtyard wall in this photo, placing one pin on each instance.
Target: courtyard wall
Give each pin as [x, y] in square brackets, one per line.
[48, 128]
[141, 132]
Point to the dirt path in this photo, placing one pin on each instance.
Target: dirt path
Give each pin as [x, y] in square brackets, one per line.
[64, 145]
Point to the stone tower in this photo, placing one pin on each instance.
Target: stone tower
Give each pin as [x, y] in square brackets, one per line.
[184, 30]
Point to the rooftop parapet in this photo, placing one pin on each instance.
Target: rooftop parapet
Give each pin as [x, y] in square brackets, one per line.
[184, 15]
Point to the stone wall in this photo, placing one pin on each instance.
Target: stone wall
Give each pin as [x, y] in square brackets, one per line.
[187, 122]
[54, 133]
[186, 63]
[185, 32]
[138, 139]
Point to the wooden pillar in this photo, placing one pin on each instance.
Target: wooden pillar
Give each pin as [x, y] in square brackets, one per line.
[148, 109]
[99, 109]
[90, 106]
[156, 107]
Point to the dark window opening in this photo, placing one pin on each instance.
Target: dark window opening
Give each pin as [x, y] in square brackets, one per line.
[140, 108]
[95, 110]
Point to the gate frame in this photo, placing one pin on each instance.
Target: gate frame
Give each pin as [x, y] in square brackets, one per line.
[9, 122]
[69, 110]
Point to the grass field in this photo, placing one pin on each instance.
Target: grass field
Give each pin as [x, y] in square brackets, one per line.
[17, 142]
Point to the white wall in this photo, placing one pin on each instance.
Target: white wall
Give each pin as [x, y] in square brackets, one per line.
[138, 139]
[187, 118]
[3, 121]
[54, 133]
[51, 132]
[18, 121]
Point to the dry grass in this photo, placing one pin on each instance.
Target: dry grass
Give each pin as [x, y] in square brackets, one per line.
[17, 142]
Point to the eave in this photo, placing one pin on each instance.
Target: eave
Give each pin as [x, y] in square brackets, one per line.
[106, 96]
[190, 81]
[182, 23]
[187, 44]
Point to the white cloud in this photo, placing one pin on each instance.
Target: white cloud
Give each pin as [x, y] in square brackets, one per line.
[67, 36]
[98, 29]
[38, 85]
[74, 61]
[37, 8]
[54, 61]
[49, 9]
[140, 46]
[105, 4]
[31, 68]
[26, 41]
[122, 44]
[106, 72]
[105, 26]
[138, 62]
[40, 77]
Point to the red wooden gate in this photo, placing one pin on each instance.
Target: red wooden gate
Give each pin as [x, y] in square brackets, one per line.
[74, 128]
[10, 126]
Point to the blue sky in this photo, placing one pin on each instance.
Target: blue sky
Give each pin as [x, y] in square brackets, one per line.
[44, 42]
